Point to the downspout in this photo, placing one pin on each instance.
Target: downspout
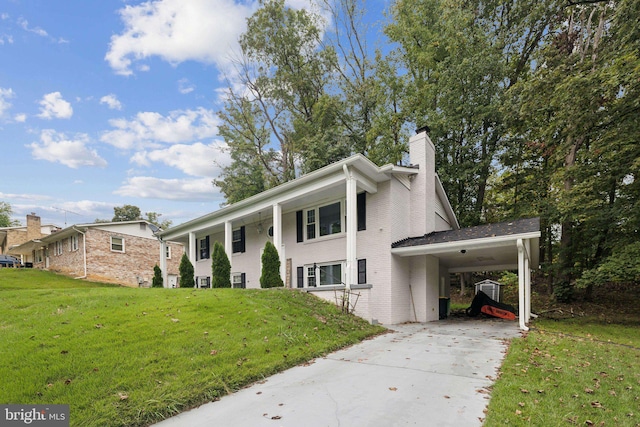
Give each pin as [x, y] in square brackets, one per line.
[522, 304]
[84, 253]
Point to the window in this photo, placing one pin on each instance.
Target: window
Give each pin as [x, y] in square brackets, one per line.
[239, 280]
[39, 255]
[204, 282]
[362, 211]
[311, 277]
[238, 240]
[57, 249]
[324, 220]
[73, 243]
[324, 274]
[167, 253]
[117, 244]
[203, 245]
[362, 271]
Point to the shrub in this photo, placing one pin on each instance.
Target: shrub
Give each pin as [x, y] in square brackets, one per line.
[270, 277]
[220, 267]
[157, 281]
[186, 272]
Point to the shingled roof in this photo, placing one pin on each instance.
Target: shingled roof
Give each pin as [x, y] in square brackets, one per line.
[507, 228]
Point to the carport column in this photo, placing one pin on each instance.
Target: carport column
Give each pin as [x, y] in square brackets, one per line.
[352, 227]
[228, 241]
[163, 263]
[522, 303]
[277, 239]
[527, 278]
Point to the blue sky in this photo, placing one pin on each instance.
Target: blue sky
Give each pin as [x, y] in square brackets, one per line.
[111, 102]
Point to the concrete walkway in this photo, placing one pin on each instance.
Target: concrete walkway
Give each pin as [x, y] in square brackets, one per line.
[429, 374]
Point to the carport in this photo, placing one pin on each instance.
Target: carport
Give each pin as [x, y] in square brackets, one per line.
[512, 245]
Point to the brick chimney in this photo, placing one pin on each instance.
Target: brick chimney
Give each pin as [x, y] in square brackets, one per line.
[34, 228]
[422, 152]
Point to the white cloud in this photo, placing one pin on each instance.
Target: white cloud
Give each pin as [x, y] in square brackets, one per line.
[112, 102]
[149, 129]
[54, 106]
[35, 30]
[6, 38]
[5, 95]
[185, 87]
[169, 189]
[20, 118]
[178, 31]
[56, 147]
[196, 159]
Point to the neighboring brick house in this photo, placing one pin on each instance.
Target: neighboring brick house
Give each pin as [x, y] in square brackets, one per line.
[17, 235]
[358, 229]
[116, 252]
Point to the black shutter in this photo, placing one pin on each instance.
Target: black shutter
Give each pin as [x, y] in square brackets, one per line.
[206, 256]
[362, 211]
[197, 284]
[301, 277]
[243, 280]
[242, 239]
[208, 282]
[362, 271]
[299, 227]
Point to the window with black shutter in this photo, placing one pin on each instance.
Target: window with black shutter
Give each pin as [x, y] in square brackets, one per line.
[300, 277]
[203, 251]
[362, 271]
[239, 240]
[362, 211]
[299, 227]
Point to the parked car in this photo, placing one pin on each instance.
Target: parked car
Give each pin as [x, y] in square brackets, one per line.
[9, 261]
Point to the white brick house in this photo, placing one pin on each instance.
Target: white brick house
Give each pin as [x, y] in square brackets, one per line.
[335, 230]
[116, 252]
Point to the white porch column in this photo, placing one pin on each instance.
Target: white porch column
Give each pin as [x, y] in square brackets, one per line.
[163, 263]
[522, 303]
[277, 239]
[228, 240]
[352, 228]
[527, 278]
[192, 248]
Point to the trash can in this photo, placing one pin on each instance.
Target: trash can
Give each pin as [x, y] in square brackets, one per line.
[445, 304]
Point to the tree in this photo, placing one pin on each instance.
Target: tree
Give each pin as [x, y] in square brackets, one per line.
[154, 218]
[126, 213]
[5, 216]
[283, 112]
[187, 279]
[157, 281]
[220, 267]
[270, 277]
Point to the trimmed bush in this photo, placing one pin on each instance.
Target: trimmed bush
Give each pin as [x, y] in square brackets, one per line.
[270, 277]
[157, 281]
[186, 272]
[220, 267]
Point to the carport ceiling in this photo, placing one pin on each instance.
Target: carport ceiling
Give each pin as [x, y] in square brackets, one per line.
[482, 248]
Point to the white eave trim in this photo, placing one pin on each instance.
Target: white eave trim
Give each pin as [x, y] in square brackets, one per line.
[455, 246]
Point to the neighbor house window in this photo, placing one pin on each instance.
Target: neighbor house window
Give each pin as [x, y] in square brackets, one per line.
[324, 220]
[73, 242]
[167, 252]
[204, 282]
[117, 244]
[238, 240]
[239, 280]
[39, 255]
[57, 248]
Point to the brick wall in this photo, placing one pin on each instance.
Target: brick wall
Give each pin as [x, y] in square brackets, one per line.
[128, 268]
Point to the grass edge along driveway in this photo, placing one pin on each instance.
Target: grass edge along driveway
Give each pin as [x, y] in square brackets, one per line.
[122, 356]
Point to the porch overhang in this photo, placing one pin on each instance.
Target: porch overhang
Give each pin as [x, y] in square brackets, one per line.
[505, 246]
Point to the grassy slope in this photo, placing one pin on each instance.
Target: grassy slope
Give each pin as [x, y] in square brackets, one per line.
[123, 356]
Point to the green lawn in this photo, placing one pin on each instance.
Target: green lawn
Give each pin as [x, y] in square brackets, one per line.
[570, 372]
[122, 356]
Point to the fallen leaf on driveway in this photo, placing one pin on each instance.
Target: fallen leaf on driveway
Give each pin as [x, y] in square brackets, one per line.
[393, 388]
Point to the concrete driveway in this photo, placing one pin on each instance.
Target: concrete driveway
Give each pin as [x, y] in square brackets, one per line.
[428, 374]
